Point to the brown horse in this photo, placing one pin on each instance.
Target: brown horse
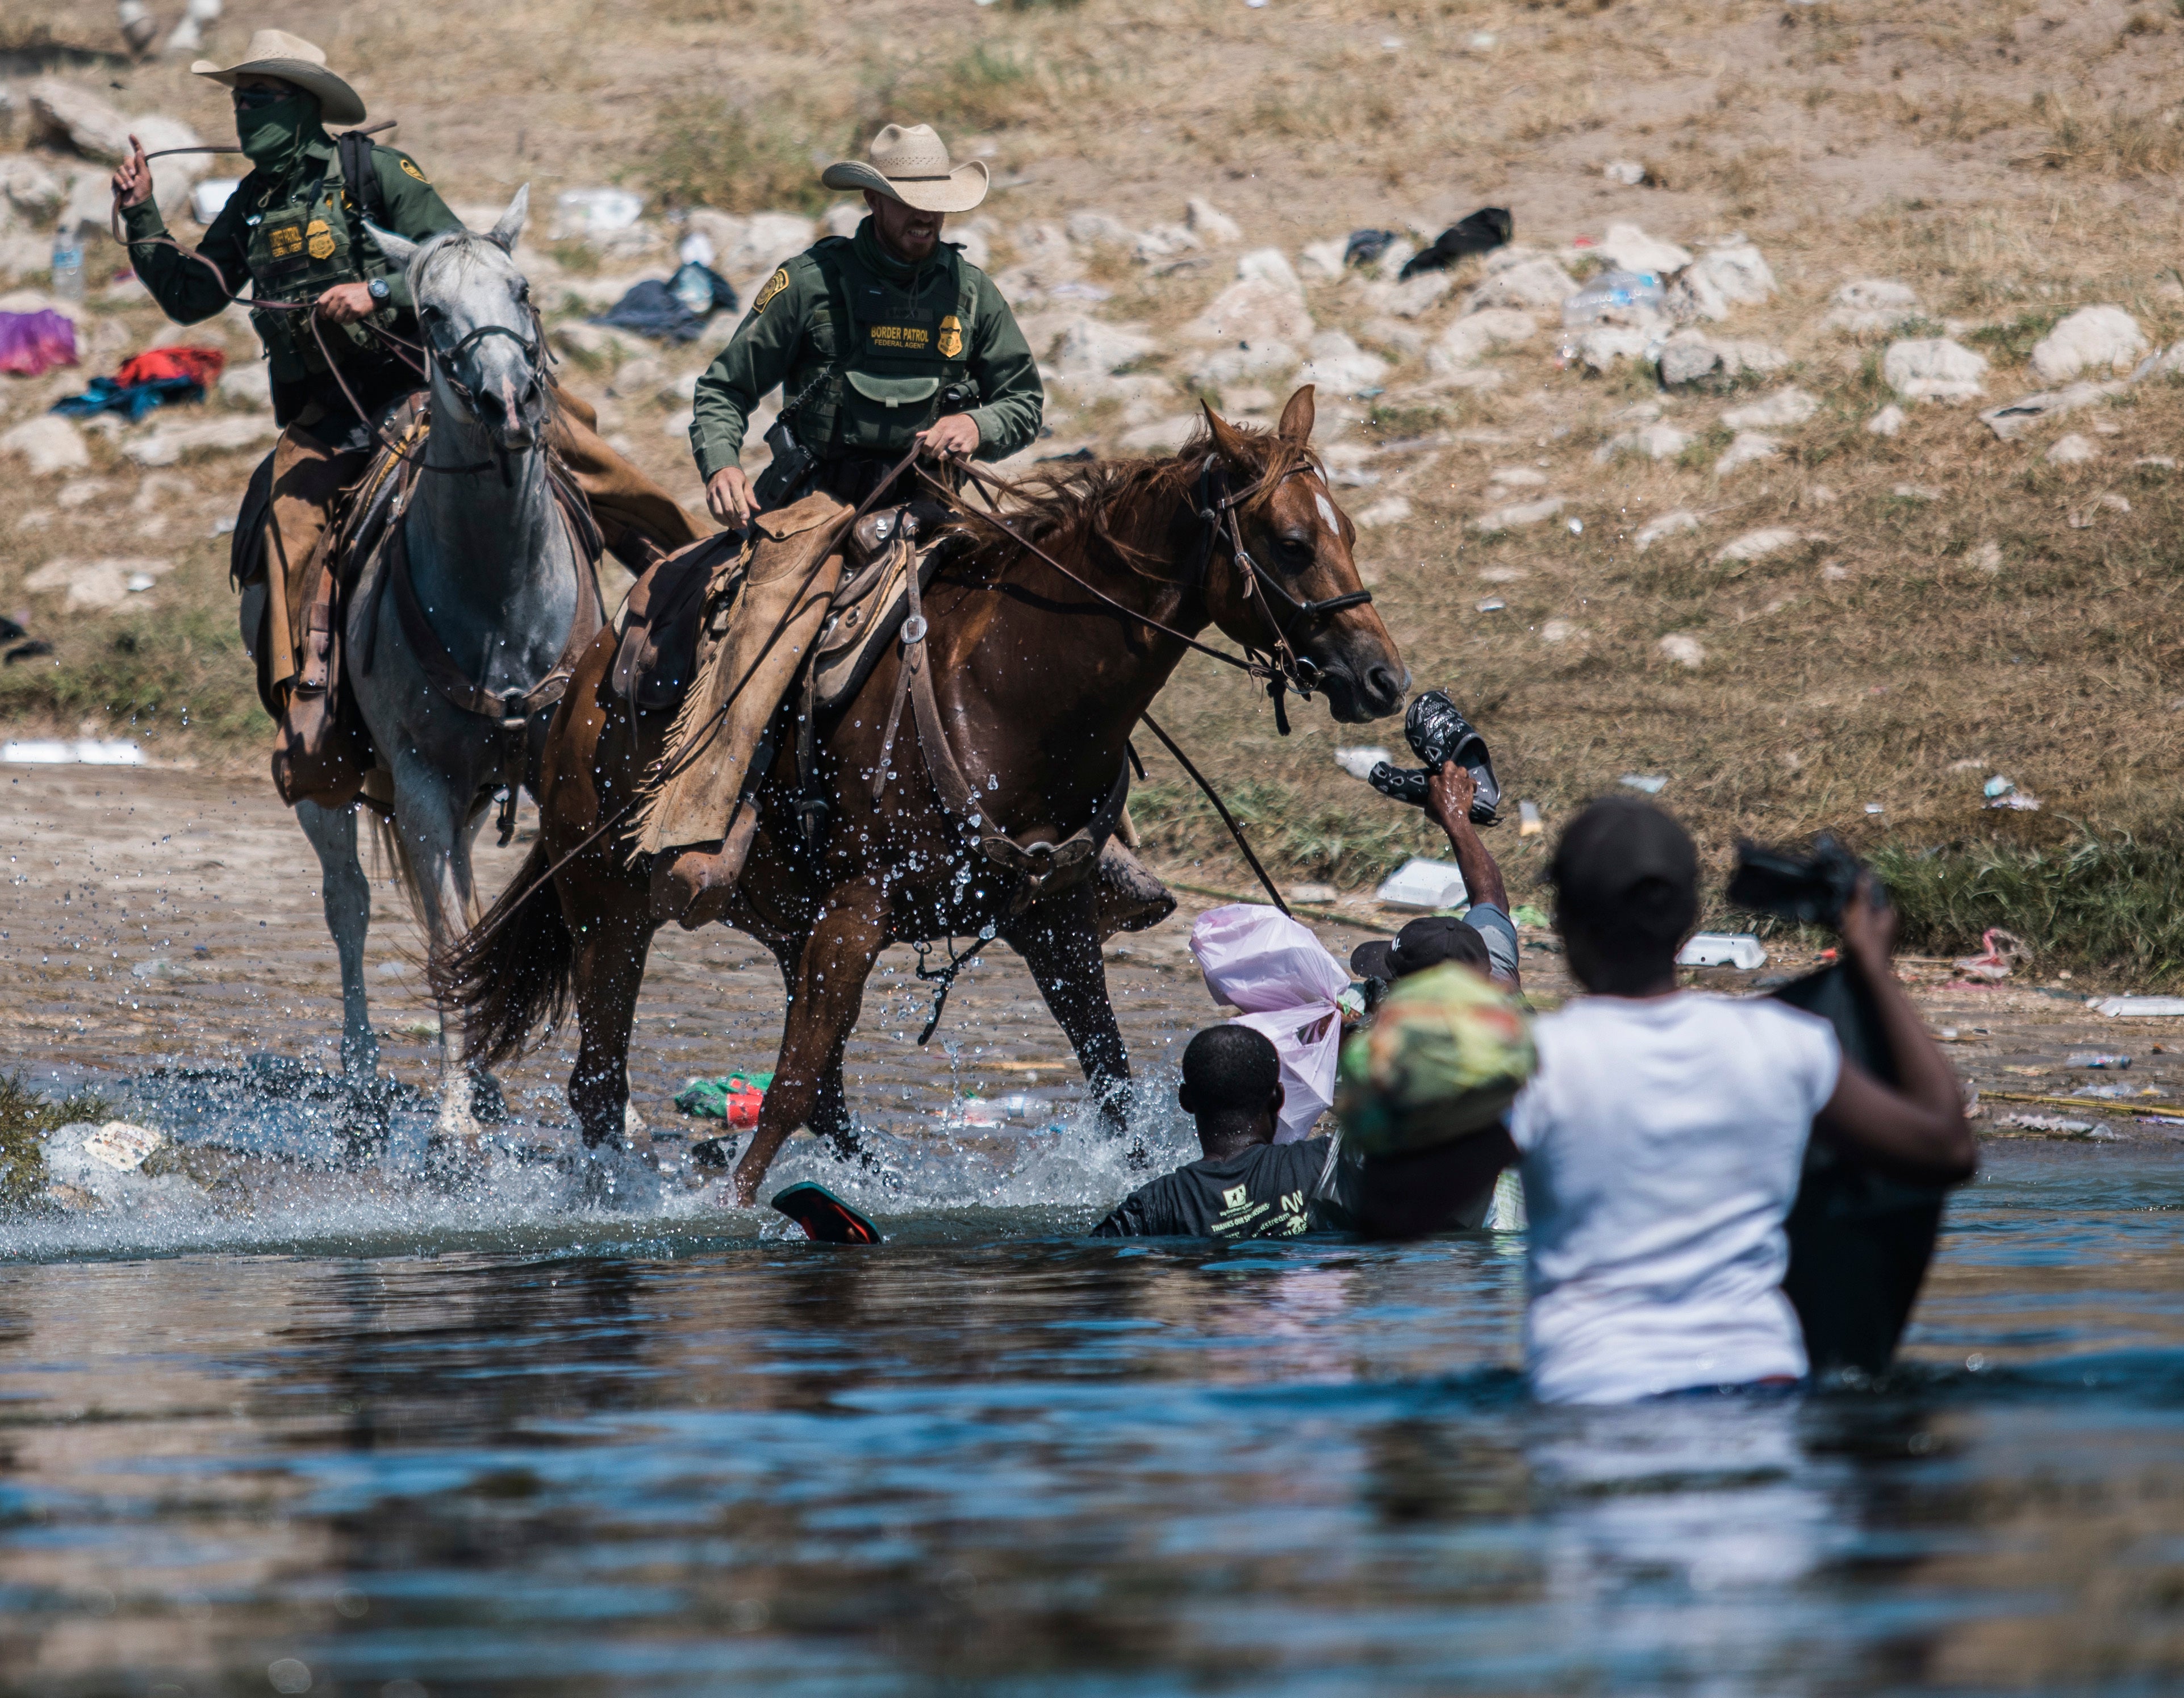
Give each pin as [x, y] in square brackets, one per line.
[1037, 683]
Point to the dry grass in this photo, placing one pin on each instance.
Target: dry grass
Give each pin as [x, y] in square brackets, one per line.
[1849, 138]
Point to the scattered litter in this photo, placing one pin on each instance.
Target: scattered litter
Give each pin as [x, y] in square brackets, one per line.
[1366, 246]
[2049, 1123]
[1738, 950]
[676, 311]
[1999, 952]
[1359, 763]
[1682, 648]
[85, 753]
[33, 344]
[1996, 785]
[1493, 603]
[1423, 884]
[2141, 1007]
[1628, 172]
[2106, 1093]
[159, 377]
[1577, 527]
[121, 1146]
[1527, 820]
[1875, 808]
[1479, 233]
[734, 1099]
[1615, 297]
[595, 211]
[1527, 914]
[2095, 1059]
[210, 198]
[1320, 893]
[1652, 783]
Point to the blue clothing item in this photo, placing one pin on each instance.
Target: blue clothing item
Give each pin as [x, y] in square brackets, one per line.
[131, 400]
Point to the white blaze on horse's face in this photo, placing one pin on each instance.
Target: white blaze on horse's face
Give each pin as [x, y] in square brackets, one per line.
[1327, 513]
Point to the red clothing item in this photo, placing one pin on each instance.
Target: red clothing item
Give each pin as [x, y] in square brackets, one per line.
[201, 365]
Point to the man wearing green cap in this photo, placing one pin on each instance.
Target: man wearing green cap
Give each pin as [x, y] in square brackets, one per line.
[293, 230]
[876, 341]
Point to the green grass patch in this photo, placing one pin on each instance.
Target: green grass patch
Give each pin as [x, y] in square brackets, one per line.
[25, 1118]
[2112, 905]
[184, 670]
[1295, 837]
[709, 151]
[2013, 342]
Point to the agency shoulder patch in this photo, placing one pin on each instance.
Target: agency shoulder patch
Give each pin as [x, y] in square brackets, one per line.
[774, 286]
[409, 165]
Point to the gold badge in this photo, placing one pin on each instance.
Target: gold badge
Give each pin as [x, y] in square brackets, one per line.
[411, 166]
[951, 337]
[284, 240]
[319, 241]
[774, 286]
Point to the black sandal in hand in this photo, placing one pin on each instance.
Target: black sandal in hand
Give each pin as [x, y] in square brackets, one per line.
[1438, 733]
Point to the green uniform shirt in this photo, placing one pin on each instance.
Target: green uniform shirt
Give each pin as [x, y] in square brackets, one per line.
[186, 292]
[795, 336]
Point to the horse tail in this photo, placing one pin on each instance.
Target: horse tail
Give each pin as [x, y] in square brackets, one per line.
[509, 972]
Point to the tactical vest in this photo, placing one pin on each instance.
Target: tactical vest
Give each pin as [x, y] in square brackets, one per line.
[304, 239]
[896, 361]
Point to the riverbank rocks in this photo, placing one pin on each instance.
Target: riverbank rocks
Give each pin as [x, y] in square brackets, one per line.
[1749, 448]
[1339, 367]
[1873, 305]
[1691, 358]
[1245, 362]
[1088, 347]
[2072, 450]
[95, 585]
[47, 444]
[230, 435]
[2103, 341]
[1757, 545]
[1537, 284]
[1934, 369]
[1469, 339]
[1684, 649]
[1886, 422]
[1209, 224]
[1518, 514]
[1774, 412]
[1734, 274]
[1629, 248]
[2013, 419]
[1254, 310]
[1676, 524]
[1655, 441]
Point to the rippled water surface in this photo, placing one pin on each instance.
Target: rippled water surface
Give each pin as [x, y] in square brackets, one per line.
[656, 1453]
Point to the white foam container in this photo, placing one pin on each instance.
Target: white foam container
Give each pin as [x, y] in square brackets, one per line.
[1738, 950]
[1424, 885]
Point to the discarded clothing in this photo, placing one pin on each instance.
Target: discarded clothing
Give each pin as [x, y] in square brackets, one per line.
[733, 1098]
[159, 377]
[1365, 246]
[33, 344]
[1490, 227]
[676, 311]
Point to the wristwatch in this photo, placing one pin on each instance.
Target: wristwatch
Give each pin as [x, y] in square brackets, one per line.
[377, 288]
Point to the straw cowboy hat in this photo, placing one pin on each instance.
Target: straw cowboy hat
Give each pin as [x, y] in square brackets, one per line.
[275, 53]
[911, 165]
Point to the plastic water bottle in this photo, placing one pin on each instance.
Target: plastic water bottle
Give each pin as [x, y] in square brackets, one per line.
[68, 261]
[1615, 297]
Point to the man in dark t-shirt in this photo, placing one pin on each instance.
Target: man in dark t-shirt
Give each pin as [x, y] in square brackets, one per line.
[1247, 1186]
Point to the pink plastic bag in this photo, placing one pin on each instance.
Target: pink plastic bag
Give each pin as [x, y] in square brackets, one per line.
[1272, 967]
[32, 343]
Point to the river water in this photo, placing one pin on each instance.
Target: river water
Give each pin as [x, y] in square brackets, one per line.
[387, 1445]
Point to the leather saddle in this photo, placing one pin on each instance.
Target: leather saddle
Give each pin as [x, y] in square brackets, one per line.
[690, 596]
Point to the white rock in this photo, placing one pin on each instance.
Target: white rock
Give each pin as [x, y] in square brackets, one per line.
[1916, 492]
[1099, 229]
[1391, 510]
[1757, 545]
[1087, 345]
[1628, 172]
[1749, 448]
[1886, 422]
[169, 442]
[841, 219]
[2072, 450]
[1162, 435]
[1629, 248]
[1245, 363]
[1268, 266]
[1682, 648]
[250, 384]
[1165, 242]
[1873, 304]
[2014, 420]
[1468, 338]
[1415, 298]
[2103, 341]
[768, 239]
[47, 443]
[586, 213]
[975, 239]
[1254, 310]
[1736, 272]
[1209, 223]
[74, 116]
[1517, 477]
[601, 341]
[30, 188]
[1933, 369]
[1602, 345]
[1654, 441]
[1339, 367]
[94, 583]
[1519, 514]
[1398, 253]
[1988, 557]
[1668, 525]
[1321, 261]
[1778, 411]
[1538, 284]
[1561, 631]
[1688, 357]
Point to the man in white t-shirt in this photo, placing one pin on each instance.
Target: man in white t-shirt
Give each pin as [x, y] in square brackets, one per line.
[1663, 1137]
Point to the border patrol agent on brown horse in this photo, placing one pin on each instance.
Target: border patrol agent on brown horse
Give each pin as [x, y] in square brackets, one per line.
[294, 230]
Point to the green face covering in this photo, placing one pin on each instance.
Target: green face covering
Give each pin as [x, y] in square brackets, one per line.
[273, 137]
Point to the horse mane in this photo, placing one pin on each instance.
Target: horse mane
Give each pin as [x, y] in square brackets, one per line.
[1101, 499]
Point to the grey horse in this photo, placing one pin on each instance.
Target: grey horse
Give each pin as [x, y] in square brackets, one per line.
[499, 579]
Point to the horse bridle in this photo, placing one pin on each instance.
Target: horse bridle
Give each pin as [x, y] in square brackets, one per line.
[1216, 506]
[534, 350]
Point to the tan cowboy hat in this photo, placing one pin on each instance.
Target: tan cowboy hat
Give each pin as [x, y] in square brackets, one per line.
[275, 53]
[911, 165]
